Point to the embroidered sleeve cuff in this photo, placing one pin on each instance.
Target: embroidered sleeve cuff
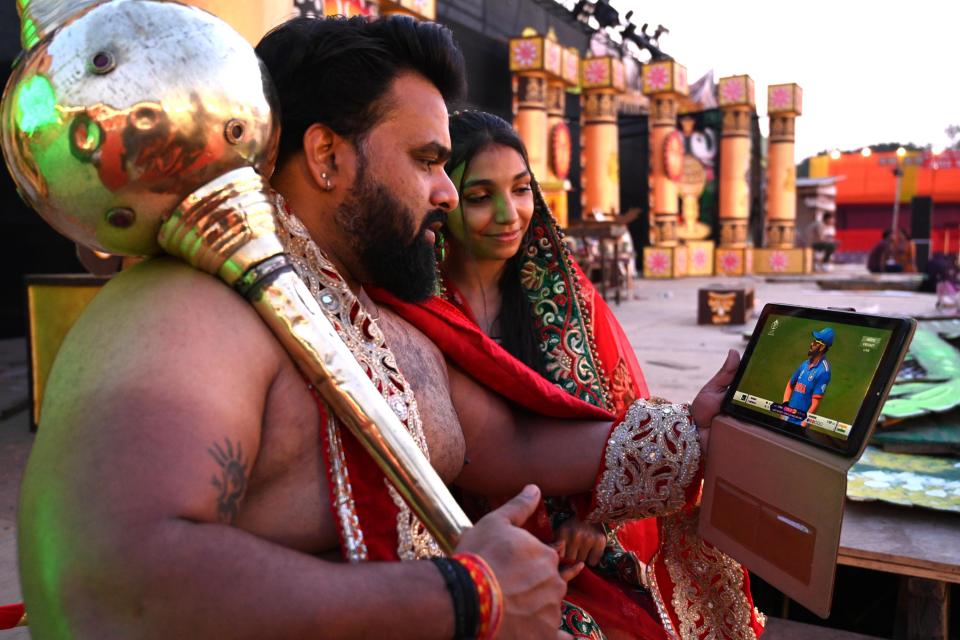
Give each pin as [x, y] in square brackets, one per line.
[651, 461]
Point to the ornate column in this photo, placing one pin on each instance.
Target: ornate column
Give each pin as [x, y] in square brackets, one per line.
[665, 83]
[251, 19]
[559, 144]
[694, 235]
[601, 79]
[734, 256]
[419, 9]
[781, 254]
[534, 59]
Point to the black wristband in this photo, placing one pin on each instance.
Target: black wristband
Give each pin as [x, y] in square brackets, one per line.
[463, 594]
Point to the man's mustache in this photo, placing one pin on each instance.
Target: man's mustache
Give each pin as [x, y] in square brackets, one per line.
[433, 217]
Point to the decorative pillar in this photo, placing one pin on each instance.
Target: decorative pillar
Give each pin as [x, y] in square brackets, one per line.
[602, 80]
[781, 254]
[559, 144]
[665, 83]
[534, 59]
[251, 19]
[419, 9]
[734, 256]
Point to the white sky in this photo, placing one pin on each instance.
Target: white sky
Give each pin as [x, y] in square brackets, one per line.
[871, 71]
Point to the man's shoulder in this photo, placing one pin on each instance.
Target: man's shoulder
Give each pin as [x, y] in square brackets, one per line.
[165, 304]
[165, 284]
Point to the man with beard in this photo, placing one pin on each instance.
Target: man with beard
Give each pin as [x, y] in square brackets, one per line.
[179, 483]
[808, 383]
[187, 482]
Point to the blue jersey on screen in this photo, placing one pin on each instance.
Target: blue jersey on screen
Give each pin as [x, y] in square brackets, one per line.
[806, 383]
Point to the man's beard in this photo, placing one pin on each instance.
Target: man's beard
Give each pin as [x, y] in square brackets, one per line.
[381, 232]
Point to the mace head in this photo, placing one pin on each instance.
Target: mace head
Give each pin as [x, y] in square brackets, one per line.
[118, 110]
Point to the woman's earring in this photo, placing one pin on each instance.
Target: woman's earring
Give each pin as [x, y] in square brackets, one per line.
[439, 254]
[327, 185]
[440, 247]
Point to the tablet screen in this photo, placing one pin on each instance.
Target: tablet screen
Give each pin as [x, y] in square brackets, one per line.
[816, 374]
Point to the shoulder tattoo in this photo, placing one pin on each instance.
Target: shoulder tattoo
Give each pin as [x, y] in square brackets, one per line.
[231, 481]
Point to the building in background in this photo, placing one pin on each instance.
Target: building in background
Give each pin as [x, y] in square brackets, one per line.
[866, 188]
[616, 151]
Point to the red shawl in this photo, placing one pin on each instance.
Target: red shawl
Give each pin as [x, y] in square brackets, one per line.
[592, 373]
[469, 348]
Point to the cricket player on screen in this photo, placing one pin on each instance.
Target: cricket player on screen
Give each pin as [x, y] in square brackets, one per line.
[809, 382]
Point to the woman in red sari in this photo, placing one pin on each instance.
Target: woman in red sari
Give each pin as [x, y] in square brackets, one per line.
[512, 300]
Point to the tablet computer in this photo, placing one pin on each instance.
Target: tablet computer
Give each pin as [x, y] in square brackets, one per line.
[819, 375]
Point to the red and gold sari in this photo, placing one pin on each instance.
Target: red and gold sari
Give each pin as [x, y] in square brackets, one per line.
[658, 579]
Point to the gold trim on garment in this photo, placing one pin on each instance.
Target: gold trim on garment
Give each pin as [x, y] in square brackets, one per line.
[651, 458]
[343, 504]
[366, 342]
[708, 586]
[654, 588]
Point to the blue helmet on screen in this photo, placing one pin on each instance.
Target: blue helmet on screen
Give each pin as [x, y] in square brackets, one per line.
[825, 336]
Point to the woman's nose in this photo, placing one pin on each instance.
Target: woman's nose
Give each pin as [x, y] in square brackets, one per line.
[506, 211]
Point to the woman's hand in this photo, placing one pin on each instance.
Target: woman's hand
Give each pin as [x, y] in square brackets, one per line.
[579, 541]
[709, 401]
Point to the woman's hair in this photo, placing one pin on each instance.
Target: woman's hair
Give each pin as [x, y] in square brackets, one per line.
[470, 133]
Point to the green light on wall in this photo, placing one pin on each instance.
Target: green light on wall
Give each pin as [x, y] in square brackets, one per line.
[36, 105]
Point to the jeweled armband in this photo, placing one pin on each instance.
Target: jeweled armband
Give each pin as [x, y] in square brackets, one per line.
[651, 459]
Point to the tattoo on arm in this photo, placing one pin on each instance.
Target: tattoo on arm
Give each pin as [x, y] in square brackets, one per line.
[231, 483]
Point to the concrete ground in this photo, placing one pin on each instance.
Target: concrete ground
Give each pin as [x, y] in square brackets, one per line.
[677, 356]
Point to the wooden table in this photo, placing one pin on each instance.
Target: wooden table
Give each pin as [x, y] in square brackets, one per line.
[612, 231]
[919, 544]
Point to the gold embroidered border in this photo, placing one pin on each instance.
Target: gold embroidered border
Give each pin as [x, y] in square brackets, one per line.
[708, 586]
[414, 541]
[652, 456]
[344, 507]
[366, 342]
[654, 588]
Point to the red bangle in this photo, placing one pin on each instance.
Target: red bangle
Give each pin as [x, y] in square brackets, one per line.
[489, 595]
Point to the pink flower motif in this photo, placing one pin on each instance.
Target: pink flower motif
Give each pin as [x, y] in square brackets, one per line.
[595, 72]
[420, 6]
[657, 78]
[780, 97]
[553, 57]
[730, 262]
[658, 263]
[732, 91]
[525, 53]
[681, 78]
[778, 261]
[570, 73]
[699, 258]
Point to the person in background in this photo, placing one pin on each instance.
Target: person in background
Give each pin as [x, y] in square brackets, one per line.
[904, 252]
[823, 238]
[880, 259]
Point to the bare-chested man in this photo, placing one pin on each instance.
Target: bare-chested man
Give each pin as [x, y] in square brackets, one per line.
[178, 486]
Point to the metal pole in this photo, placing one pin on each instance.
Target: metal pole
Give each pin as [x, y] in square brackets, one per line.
[898, 172]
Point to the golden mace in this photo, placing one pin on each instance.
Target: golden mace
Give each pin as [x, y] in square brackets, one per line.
[138, 127]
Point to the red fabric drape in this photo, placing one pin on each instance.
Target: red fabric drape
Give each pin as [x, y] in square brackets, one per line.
[10, 616]
[619, 613]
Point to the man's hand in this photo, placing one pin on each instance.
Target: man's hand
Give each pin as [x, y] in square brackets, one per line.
[708, 402]
[525, 568]
[581, 541]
